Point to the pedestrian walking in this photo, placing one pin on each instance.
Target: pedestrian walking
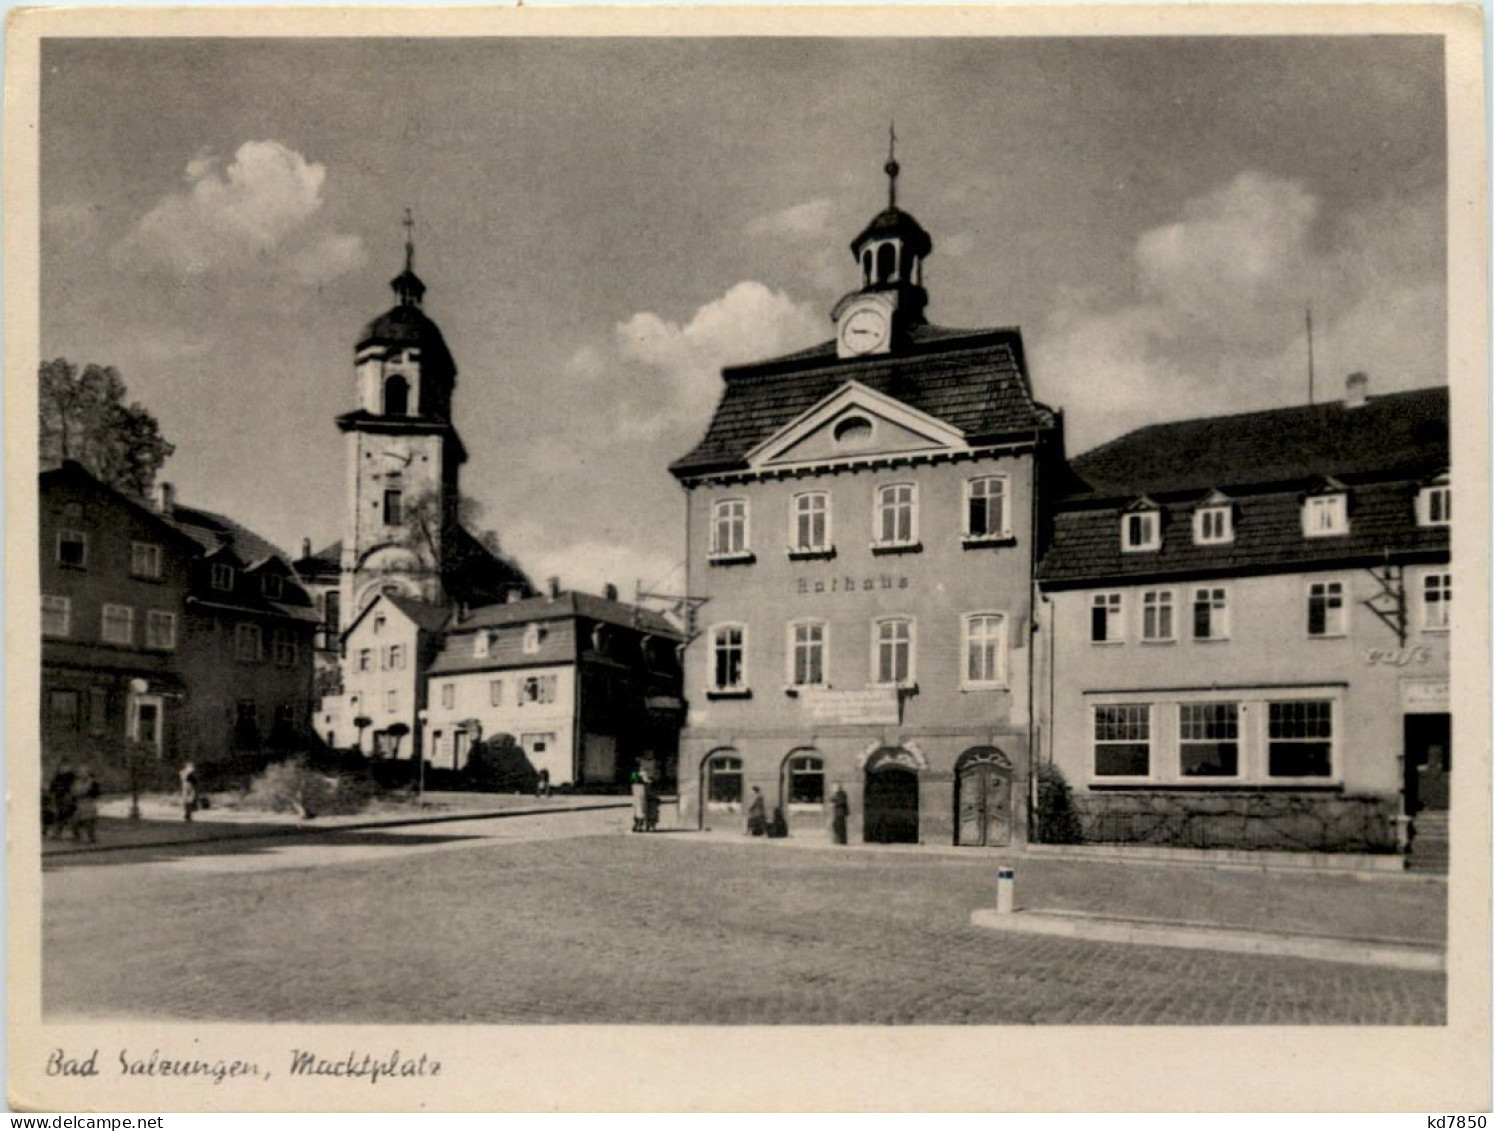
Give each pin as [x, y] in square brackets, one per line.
[58, 802]
[189, 791]
[839, 811]
[640, 791]
[757, 824]
[86, 808]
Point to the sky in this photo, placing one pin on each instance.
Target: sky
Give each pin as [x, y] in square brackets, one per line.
[603, 224]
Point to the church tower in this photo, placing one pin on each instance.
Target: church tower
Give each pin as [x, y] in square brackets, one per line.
[403, 455]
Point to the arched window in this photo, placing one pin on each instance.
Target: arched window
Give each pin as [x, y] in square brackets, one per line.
[887, 261]
[807, 779]
[396, 395]
[867, 266]
[724, 780]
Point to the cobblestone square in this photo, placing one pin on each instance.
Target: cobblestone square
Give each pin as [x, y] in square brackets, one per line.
[524, 921]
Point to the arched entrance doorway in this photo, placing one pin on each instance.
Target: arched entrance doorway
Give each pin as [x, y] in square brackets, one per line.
[890, 806]
[984, 797]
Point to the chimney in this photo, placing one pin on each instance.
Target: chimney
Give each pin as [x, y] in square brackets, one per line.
[306, 547]
[610, 591]
[553, 587]
[1355, 390]
[166, 498]
[512, 594]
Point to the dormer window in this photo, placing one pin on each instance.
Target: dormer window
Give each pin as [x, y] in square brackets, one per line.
[480, 646]
[222, 577]
[1141, 531]
[270, 586]
[1433, 503]
[1325, 515]
[1213, 525]
[534, 634]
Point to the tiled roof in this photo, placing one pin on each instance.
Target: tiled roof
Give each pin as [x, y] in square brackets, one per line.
[971, 379]
[1397, 434]
[210, 531]
[327, 560]
[568, 604]
[1264, 463]
[427, 617]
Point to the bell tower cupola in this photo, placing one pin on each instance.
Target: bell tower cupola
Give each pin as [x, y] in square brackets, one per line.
[890, 254]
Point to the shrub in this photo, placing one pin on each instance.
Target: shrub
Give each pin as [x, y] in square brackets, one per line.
[499, 763]
[293, 786]
[1054, 814]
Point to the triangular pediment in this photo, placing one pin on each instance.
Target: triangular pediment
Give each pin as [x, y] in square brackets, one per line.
[852, 424]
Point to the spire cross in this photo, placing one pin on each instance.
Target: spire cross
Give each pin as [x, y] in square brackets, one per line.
[410, 247]
[892, 169]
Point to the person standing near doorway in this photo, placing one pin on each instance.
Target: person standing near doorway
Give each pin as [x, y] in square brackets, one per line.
[839, 811]
[189, 791]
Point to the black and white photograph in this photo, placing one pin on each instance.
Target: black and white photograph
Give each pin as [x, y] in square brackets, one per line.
[731, 535]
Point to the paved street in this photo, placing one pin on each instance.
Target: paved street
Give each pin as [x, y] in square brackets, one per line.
[563, 918]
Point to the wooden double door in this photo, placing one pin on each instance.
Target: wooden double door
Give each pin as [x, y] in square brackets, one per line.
[984, 800]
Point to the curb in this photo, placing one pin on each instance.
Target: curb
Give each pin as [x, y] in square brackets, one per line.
[1401, 954]
[264, 832]
[1356, 863]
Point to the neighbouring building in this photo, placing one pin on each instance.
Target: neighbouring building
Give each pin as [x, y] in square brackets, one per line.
[582, 687]
[386, 651]
[168, 625]
[861, 531]
[1246, 630]
[115, 577]
[321, 575]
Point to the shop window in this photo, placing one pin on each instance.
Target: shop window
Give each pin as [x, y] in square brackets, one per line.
[1106, 618]
[1208, 739]
[724, 781]
[1327, 608]
[57, 615]
[1122, 740]
[1300, 736]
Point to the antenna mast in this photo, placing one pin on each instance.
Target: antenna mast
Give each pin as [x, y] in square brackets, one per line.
[1309, 332]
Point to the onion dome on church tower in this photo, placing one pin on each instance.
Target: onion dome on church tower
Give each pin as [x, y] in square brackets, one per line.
[890, 253]
[404, 366]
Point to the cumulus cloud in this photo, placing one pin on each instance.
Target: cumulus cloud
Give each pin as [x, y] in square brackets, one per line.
[259, 209]
[1218, 321]
[680, 362]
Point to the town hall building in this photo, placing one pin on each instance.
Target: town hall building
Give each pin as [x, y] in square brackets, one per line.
[861, 531]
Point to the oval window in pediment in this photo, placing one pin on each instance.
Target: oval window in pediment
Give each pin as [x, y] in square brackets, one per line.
[853, 431]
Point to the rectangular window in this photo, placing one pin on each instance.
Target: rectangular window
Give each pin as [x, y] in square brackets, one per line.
[538, 689]
[285, 648]
[807, 654]
[1213, 526]
[247, 642]
[1211, 614]
[1208, 740]
[895, 524]
[366, 659]
[1326, 608]
[392, 701]
[72, 549]
[1433, 506]
[62, 709]
[57, 615]
[724, 781]
[145, 560]
[1106, 618]
[496, 693]
[1122, 740]
[222, 577]
[812, 518]
[730, 528]
[534, 744]
[393, 511]
[727, 658]
[893, 652]
[987, 507]
[1158, 615]
[985, 649]
[807, 775]
[270, 586]
[1140, 531]
[1299, 734]
[1324, 515]
[397, 657]
[98, 711]
[119, 624]
[1438, 591]
[449, 695]
[160, 629]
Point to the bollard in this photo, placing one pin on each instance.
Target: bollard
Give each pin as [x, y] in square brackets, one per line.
[1004, 891]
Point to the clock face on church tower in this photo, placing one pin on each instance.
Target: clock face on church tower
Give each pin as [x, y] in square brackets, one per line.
[863, 330]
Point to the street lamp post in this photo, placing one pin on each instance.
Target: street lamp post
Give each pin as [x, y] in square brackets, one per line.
[419, 741]
[132, 754]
